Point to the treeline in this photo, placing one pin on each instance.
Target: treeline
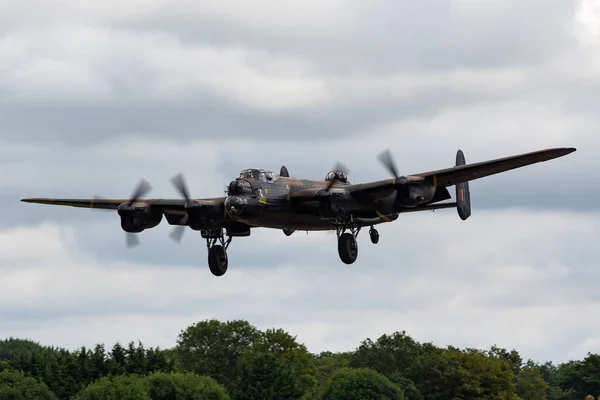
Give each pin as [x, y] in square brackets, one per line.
[235, 360]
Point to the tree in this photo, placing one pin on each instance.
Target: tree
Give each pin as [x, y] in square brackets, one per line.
[531, 385]
[156, 386]
[469, 374]
[401, 359]
[277, 367]
[123, 387]
[214, 348]
[184, 386]
[327, 364]
[15, 385]
[512, 357]
[361, 384]
[580, 377]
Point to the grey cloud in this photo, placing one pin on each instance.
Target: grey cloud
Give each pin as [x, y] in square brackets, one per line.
[413, 279]
[271, 83]
[383, 37]
[88, 110]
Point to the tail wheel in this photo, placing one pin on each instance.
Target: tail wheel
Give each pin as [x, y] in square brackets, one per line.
[217, 260]
[347, 248]
[374, 235]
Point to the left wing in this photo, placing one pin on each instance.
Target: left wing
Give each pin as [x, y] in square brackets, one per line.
[469, 172]
[372, 191]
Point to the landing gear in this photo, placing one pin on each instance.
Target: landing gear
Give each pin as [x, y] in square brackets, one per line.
[347, 248]
[347, 245]
[217, 253]
[374, 235]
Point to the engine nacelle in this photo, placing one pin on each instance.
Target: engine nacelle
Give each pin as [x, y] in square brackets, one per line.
[336, 204]
[204, 215]
[137, 217]
[418, 193]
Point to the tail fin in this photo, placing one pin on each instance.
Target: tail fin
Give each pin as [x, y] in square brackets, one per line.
[463, 195]
[284, 172]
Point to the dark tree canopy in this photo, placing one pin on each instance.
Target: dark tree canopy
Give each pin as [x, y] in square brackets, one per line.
[361, 384]
[235, 360]
[14, 385]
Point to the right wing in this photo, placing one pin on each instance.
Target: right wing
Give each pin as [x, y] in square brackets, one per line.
[108, 204]
[173, 209]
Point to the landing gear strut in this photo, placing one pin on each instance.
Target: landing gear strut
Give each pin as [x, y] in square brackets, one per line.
[347, 245]
[217, 253]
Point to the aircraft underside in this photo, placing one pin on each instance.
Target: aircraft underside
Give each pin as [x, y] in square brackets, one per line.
[346, 228]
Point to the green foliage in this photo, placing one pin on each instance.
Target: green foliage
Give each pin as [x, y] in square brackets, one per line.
[399, 357]
[531, 385]
[513, 358]
[214, 348]
[222, 360]
[581, 377]
[14, 385]
[294, 371]
[473, 374]
[155, 386]
[329, 363]
[361, 384]
[123, 387]
[184, 386]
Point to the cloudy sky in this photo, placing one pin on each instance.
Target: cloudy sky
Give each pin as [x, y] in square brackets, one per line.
[95, 95]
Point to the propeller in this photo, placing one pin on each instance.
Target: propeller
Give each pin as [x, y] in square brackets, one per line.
[337, 167]
[388, 162]
[181, 186]
[179, 183]
[141, 189]
[131, 239]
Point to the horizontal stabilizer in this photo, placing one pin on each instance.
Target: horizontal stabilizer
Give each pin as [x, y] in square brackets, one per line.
[430, 207]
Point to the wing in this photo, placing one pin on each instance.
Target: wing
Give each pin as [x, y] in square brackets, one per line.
[373, 191]
[469, 172]
[109, 204]
[173, 209]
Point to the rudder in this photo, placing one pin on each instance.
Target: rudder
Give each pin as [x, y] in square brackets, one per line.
[463, 195]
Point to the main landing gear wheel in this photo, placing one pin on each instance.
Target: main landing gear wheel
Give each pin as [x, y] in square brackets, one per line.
[347, 248]
[217, 253]
[217, 260]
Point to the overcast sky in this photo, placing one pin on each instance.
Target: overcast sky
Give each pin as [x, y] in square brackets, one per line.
[94, 95]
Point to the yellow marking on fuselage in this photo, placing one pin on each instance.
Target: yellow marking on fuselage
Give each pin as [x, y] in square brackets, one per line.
[383, 217]
[92, 204]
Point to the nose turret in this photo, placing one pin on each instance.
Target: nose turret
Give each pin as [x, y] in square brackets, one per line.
[239, 187]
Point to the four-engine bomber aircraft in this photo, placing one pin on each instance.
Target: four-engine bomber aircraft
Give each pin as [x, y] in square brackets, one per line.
[264, 198]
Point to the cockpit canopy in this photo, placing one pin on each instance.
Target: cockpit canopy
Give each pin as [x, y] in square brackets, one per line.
[263, 175]
[341, 176]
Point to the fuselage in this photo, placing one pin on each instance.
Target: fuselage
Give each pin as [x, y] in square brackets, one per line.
[262, 198]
